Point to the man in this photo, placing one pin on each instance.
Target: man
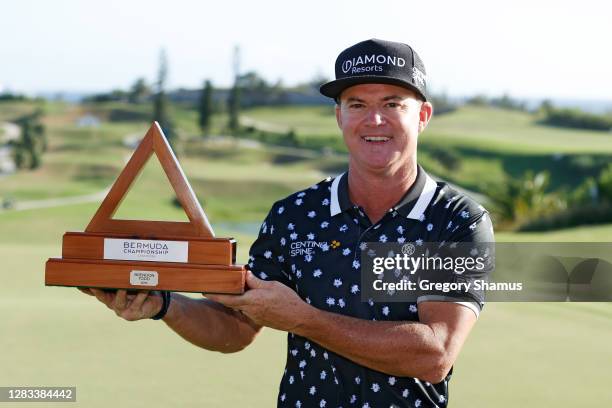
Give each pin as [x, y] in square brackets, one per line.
[304, 267]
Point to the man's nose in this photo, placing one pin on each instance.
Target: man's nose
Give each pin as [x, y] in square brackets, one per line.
[374, 117]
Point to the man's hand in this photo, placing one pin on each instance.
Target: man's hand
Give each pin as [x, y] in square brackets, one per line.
[143, 305]
[270, 304]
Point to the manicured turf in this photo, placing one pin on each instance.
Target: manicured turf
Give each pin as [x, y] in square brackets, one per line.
[60, 336]
[481, 128]
[528, 355]
[490, 144]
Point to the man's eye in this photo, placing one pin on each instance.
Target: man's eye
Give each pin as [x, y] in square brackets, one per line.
[393, 105]
[356, 105]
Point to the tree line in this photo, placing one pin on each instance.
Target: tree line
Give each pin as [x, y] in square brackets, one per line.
[574, 118]
[32, 142]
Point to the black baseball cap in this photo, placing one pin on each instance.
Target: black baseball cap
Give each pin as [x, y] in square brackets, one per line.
[378, 62]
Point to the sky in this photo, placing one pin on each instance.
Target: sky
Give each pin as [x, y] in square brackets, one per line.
[528, 49]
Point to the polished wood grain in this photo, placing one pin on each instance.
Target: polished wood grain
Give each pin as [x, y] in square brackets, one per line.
[153, 142]
[211, 251]
[172, 276]
[210, 265]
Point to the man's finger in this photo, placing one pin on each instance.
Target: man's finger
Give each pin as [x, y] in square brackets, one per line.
[254, 282]
[120, 300]
[106, 298]
[228, 300]
[86, 291]
[139, 300]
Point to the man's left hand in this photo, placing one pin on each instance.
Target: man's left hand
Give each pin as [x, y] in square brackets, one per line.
[270, 304]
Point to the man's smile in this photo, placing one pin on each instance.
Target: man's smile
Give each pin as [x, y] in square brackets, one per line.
[378, 139]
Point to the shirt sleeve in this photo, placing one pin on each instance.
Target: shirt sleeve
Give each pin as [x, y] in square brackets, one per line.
[266, 258]
[472, 238]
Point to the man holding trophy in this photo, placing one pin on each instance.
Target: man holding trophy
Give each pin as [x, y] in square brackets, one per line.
[304, 268]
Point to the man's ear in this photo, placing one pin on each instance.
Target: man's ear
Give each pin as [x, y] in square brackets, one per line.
[425, 115]
[338, 116]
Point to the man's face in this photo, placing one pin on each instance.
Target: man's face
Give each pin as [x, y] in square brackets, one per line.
[380, 124]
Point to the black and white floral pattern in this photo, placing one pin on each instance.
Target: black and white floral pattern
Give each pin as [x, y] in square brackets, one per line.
[312, 240]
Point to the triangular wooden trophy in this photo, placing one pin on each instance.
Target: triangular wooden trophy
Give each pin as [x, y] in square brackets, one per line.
[149, 255]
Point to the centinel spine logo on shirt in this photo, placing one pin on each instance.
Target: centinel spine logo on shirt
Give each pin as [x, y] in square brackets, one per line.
[307, 247]
[353, 64]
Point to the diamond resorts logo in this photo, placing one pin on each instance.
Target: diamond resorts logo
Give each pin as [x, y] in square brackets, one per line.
[369, 63]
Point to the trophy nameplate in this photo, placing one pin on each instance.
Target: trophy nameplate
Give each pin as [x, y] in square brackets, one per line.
[148, 255]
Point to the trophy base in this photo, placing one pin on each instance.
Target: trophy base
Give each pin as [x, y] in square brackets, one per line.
[134, 275]
[90, 245]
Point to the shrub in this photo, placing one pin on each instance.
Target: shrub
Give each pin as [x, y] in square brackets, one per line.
[518, 201]
[575, 118]
[604, 184]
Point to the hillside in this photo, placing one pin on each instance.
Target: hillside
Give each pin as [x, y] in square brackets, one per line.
[56, 334]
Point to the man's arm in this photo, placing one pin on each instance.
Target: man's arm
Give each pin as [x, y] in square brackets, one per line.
[201, 322]
[425, 349]
[210, 325]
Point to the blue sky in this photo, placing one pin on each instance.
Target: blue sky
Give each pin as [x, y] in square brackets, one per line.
[536, 48]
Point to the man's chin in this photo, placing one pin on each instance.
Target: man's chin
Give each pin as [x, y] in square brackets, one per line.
[380, 165]
[378, 168]
[379, 162]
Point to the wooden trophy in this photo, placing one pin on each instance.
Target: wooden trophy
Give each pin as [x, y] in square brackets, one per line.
[148, 255]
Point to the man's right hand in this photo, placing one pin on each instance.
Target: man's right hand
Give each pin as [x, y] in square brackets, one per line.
[143, 305]
[202, 322]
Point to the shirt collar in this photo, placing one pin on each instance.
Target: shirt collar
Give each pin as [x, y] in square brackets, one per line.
[412, 205]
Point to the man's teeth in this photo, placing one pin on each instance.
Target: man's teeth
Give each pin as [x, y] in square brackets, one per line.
[376, 138]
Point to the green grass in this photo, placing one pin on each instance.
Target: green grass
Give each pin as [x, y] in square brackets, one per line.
[10, 111]
[59, 336]
[310, 120]
[503, 131]
[536, 355]
[479, 128]
[491, 143]
[79, 161]
[528, 354]
[598, 233]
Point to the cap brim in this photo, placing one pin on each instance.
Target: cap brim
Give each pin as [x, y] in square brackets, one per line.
[333, 89]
